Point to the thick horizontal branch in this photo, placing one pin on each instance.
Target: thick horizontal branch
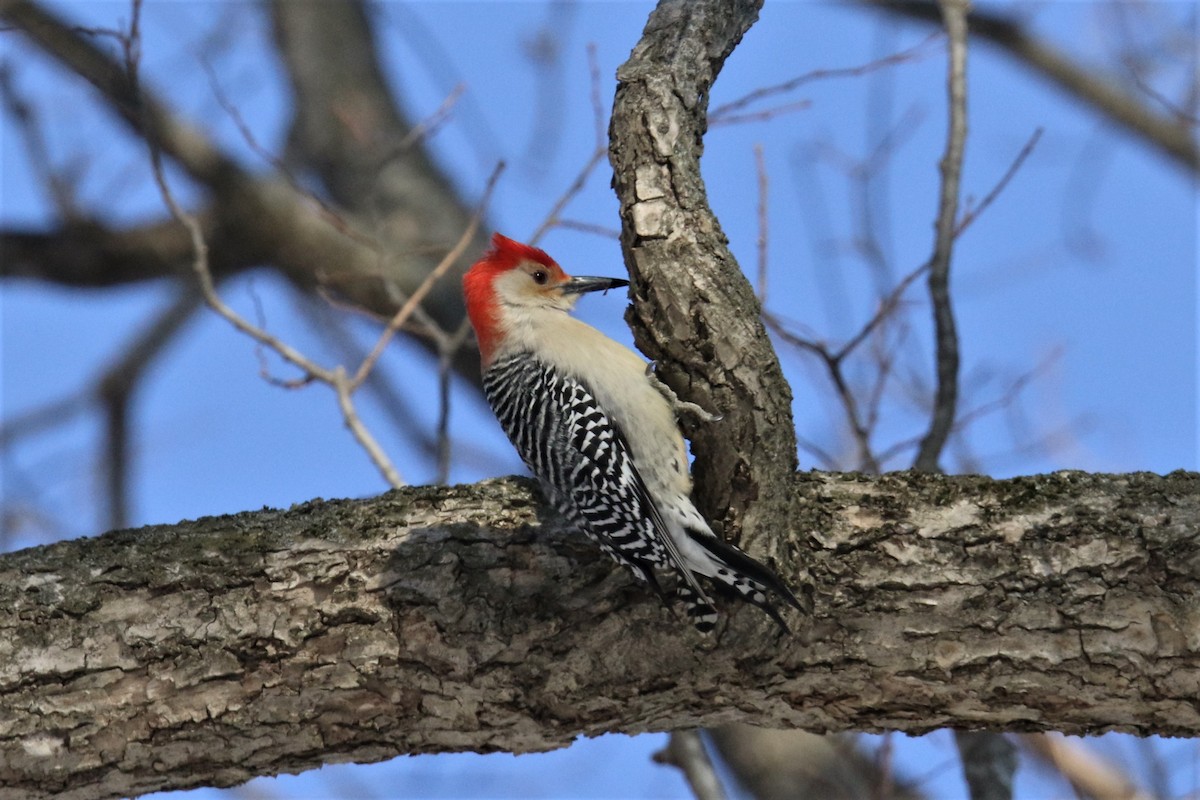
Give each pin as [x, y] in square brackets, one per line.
[94, 256]
[446, 619]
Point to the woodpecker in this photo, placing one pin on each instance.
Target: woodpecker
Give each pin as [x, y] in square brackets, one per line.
[599, 431]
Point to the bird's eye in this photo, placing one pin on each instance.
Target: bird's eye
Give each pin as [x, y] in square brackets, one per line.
[540, 277]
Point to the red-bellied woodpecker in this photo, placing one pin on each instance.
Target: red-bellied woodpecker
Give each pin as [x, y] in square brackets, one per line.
[598, 430]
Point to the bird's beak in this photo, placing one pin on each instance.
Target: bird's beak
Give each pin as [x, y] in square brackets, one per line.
[580, 284]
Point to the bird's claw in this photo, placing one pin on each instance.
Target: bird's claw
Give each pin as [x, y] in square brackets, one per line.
[680, 406]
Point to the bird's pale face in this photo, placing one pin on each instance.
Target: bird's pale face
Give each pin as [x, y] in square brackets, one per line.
[530, 284]
[515, 288]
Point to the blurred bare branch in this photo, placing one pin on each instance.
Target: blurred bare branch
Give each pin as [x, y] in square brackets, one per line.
[972, 211]
[763, 241]
[406, 213]
[989, 762]
[554, 216]
[115, 392]
[543, 49]
[1087, 773]
[685, 750]
[776, 764]
[1173, 137]
[59, 186]
[945, 404]
[733, 111]
[337, 377]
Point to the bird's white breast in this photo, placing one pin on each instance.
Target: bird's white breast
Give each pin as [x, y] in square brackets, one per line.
[617, 378]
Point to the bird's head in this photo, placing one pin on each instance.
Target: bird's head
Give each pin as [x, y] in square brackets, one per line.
[514, 277]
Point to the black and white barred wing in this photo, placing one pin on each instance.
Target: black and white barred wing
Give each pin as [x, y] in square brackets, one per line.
[582, 460]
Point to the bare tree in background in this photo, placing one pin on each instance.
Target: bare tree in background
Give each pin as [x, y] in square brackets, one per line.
[436, 619]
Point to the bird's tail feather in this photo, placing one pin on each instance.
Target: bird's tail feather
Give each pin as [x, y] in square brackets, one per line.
[741, 575]
[699, 610]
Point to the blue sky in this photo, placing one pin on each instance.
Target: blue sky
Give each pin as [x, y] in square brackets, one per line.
[1086, 265]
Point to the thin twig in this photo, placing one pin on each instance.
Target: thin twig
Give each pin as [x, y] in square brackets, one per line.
[204, 275]
[114, 392]
[970, 417]
[260, 352]
[115, 464]
[148, 117]
[971, 214]
[765, 115]
[824, 458]
[388, 393]
[416, 297]
[864, 174]
[44, 418]
[136, 357]
[428, 126]
[722, 112]
[862, 422]
[200, 246]
[861, 429]
[889, 303]
[597, 102]
[343, 388]
[954, 14]
[335, 378]
[867, 461]
[861, 425]
[1079, 79]
[589, 227]
[447, 349]
[886, 356]
[443, 424]
[60, 188]
[886, 306]
[328, 212]
[760, 165]
[553, 218]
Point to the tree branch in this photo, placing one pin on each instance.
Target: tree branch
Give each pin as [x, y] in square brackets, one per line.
[348, 129]
[374, 260]
[686, 751]
[694, 311]
[86, 254]
[1173, 137]
[116, 390]
[145, 114]
[466, 618]
[946, 362]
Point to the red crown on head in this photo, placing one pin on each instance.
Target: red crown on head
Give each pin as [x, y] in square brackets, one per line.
[507, 253]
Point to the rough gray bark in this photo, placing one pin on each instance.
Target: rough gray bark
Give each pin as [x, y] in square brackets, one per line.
[694, 311]
[443, 619]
